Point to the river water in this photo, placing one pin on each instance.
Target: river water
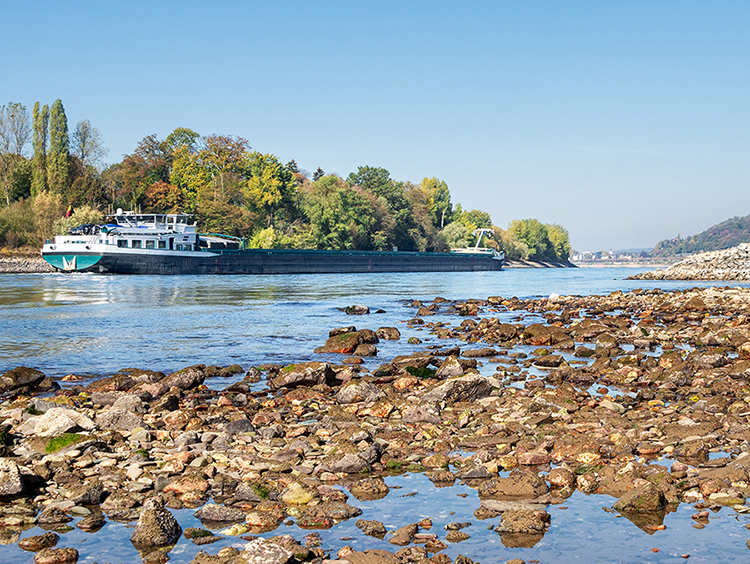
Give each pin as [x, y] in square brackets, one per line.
[96, 325]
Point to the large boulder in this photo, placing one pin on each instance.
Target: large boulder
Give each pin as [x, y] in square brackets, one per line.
[55, 422]
[156, 526]
[187, 378]
[304, 374]
[347, 343]
[467, 388]
[519, 485]
[20, 377]
[358, 390]
[644, 498]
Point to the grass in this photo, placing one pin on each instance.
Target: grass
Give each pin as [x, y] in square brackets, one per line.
[260, 491]
[64, 440]
[421, 373]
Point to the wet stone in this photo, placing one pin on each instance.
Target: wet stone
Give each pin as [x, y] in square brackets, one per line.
[38, 542]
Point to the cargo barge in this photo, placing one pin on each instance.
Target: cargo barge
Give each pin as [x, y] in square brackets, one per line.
[169, 244]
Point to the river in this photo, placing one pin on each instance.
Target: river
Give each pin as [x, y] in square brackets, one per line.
[95, 325]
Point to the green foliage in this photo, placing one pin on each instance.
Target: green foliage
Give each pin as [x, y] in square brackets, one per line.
[260, 490]
[532, 233]
[81, 216]
[341, 216]
[559, 241]
[271, 188]
[439, 197]
[58, 155]
[457, 235]
[64, 440]
[510, 245]
[39, 142]
[421, 372]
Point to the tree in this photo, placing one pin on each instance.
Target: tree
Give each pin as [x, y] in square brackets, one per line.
[533, 234]
[15, 128]
[270, 189]
[40, 126]
[161, 197]
[439, 200]
[559, 241]
[181, 137]
[14, 134]
[457, 235]
[318, 174]
[58, 157]
[87, 144]
[341, 216]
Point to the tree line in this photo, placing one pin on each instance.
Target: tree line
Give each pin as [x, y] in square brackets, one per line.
[232, 189]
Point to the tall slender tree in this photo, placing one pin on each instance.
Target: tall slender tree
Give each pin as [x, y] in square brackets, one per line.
[40, 126]
[58, 157]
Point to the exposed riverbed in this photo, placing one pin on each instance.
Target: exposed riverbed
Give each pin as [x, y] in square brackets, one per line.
[574, 402]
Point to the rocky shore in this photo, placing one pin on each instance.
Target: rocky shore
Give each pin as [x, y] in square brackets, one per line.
[24, 265]
[729, 264]
[581, 401]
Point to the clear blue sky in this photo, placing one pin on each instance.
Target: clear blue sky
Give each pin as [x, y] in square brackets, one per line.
[626, 122]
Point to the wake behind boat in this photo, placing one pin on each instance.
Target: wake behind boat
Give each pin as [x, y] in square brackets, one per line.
[169, 244]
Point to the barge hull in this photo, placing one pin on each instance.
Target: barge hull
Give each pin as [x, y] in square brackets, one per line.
[277, 261]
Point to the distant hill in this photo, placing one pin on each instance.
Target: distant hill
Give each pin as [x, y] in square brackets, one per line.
[724, 235]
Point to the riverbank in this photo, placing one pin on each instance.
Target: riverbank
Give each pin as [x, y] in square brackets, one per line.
[523, 414]
[728, 264]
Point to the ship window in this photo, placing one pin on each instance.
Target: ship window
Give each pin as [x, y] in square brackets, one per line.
[162, 244]
[122, 243]
[149, 244]
[136, 243]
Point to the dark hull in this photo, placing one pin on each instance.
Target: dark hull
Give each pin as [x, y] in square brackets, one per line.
[277, 261]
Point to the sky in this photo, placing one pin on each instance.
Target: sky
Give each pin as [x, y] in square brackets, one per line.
[625, 122]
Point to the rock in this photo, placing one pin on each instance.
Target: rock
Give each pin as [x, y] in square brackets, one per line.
[55, 422]
[524, 521]
[350, 464]
[420, 414]
[92, 523]
[517, 485]
[372, 528]
[358, 391]
[467, 388]
[56, 556]
[456, 536]
[473, 472]
[297, 494]
[238, 427]
[403, 535]
[38, 542]
[11, 482]
[219, 513]
[185, 379]
[643, 498]
[129, 402]
[119, 419]
[480, 353]
[357, 310]
[533, 458]
[261, 551]
[562, 478]
[374, 556]
[388, 333]
[87, 494]
[156, 526]
[20, 377]
[449, 368]
[54, 516]
[304, 374]
[370, 489]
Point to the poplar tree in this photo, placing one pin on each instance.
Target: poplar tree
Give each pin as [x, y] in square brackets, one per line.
[40, 126]
[58, 157]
